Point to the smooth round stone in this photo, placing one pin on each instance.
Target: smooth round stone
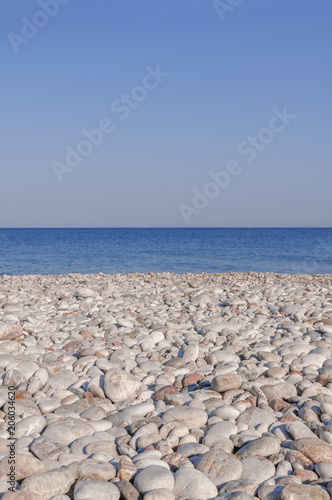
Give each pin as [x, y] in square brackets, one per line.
[149, 455]
[128, 491]
[145, 436]
[227, 412]
[5, 359]
[282, 390]
[10, 331]
[124, 322]
[263, 447]
[126, 469]
[191, 449]
[102, 456]
[65, 432]
[13, 377]
[235, 495]
[243, 485]
[152, 478]
[313, 359]
[101, 425]
[29, 425]
[299, 430]
[62, 380]
[253, 417]
[257, 467]
[221, 429]
[326, 408]
[190, 353]
[213, 441]
[227, 382]
[193, 417]
[137, 410]
[326, 329]
[42, 374]
[49, 405]
[25, 465]
[219, 467]
[120, 385]
[304, 491]
[270, 492]
[93, 413]
[46, 449]
[94, 471]
[51, 483]
[193, 483]
[324, 469]
[79, 446]
[85, 292]
[284, 468]
[104, 446]
[96, 391]
[315, 449]
[160, 494]
[95, 489]
[224, 357]
[76, 392]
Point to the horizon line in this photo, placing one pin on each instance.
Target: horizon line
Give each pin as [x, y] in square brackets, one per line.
[169, 227]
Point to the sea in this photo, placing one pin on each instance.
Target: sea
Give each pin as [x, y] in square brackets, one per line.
[176, 250]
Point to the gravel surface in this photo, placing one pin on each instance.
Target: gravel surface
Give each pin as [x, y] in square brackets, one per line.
[166, 386]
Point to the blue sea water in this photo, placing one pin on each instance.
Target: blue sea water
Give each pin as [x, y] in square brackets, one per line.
[211, 250]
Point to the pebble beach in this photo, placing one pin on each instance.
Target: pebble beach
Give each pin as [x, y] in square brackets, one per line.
[166, 386]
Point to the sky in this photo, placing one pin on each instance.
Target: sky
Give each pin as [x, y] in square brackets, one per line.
[165, 113]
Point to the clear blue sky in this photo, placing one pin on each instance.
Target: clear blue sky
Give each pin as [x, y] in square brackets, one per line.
[224, 80]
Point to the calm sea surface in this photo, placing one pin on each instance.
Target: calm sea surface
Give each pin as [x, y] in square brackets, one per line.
[58, 251]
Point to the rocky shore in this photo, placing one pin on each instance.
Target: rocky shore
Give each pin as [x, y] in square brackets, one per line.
[166, 386]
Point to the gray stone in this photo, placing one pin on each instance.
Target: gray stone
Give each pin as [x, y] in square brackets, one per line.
[154, 477]
[29, 425]
[244, 485]
[62, 380]
[65, 432]
[51, 483]
[263, 447]
[160, 494]
[304, 491]
[227, 382]
[324, 470]
[45, 449]
[257, 467]
[193, 483]
[90, 470]
[120, 385]
[299, 430]
[191, 449]
[255, 416]
[128, 491]
[193, 417]
[95, 489]
[220, 467]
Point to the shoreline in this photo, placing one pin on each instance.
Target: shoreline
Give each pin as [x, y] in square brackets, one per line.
[251, 275]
